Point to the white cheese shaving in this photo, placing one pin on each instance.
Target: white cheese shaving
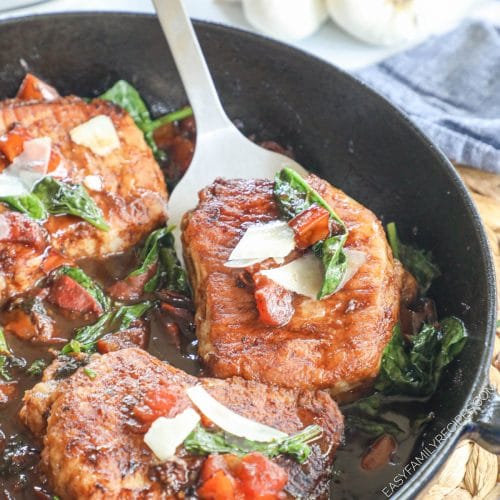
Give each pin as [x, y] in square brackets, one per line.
[274, 239]
[305, 274]
[166, 434]
[230, 421]
[27, 169]
[98, 134]
[93, 182]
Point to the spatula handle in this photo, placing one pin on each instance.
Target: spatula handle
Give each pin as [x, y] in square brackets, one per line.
[191, 65]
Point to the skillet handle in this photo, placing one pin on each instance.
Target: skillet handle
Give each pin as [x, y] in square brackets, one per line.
[485, 428]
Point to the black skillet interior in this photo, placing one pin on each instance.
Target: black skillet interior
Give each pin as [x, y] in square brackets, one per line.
[338, 129]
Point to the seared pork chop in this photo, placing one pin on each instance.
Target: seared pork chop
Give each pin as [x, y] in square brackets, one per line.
[335, 343]
[94, 446]
[126, 184]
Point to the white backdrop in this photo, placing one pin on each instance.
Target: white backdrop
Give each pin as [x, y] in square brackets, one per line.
[329, 43]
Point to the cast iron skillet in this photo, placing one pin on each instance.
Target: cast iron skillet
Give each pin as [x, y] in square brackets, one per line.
[339, 129]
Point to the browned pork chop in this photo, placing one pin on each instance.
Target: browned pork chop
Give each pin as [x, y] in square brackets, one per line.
[334, 343]
[132, 193]
[93, 447]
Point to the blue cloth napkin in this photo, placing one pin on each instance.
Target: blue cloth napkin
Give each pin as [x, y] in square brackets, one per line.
[450, 87]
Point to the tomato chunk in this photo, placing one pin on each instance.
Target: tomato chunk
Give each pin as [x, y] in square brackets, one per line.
[260, 478]
[310, 226]
[132, 287]
[379, 453]
[274, 303]
[133, 337]
[18, 229]
[253, 477]
[218, 487]
[12, 142]
[32, 88]
[67, 294]
[159, 402]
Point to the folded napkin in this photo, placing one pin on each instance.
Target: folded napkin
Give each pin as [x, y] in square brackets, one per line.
[450, 87]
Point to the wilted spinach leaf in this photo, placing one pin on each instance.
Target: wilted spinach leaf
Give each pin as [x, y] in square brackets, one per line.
[85, 338]
[418, 262]
[159, 249]
[86, 282]
[4, 357]
[294, 195]
[126, 96]
[413, 367]
[63, 198]
[204, 442]
[27, 204]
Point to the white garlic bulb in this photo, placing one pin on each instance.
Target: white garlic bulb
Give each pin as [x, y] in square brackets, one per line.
[391, 22]
[286, 19]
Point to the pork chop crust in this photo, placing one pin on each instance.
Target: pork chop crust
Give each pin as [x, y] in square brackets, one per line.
[335, 343]
[92, 447]
[132, 193]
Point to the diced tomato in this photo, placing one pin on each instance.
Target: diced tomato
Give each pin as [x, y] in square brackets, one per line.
[19, 229]
[274, 303]
[53, 260]
[310, 226]
[131, 288]
[133, 337]
[260, 478]
[379, 453]
[253, 477]
[7, 391]
[20, 324]
[54, 160]
[218, 487]
[12, 142]
[67, 294]
[32, 88]
[159, 402]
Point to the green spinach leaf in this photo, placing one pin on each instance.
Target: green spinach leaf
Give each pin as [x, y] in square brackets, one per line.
[126, 96]
[414, 367]
[204, 442]
[374, 427]
[36, 368]
[159, 249]
[115, 320]
[88, 283]
[418, 262]
[64, 198]
[5, 354]
[27, 204]
[294, 195]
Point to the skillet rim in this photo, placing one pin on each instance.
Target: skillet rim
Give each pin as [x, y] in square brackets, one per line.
[424, 473]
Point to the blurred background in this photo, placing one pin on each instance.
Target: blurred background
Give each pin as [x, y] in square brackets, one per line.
[349, 33]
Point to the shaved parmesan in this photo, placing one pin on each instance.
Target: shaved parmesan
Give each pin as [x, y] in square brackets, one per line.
[93, 182]
[264, 241]
[242, 262]
[98, 134]
[166, 434]
[27, 169]
[230, 421]
[305, 274]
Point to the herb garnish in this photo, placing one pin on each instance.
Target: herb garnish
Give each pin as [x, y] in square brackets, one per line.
[294, 195]
[36, 368]
[5, 354]
[204, 442]
[126, 96]
[63, 198]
